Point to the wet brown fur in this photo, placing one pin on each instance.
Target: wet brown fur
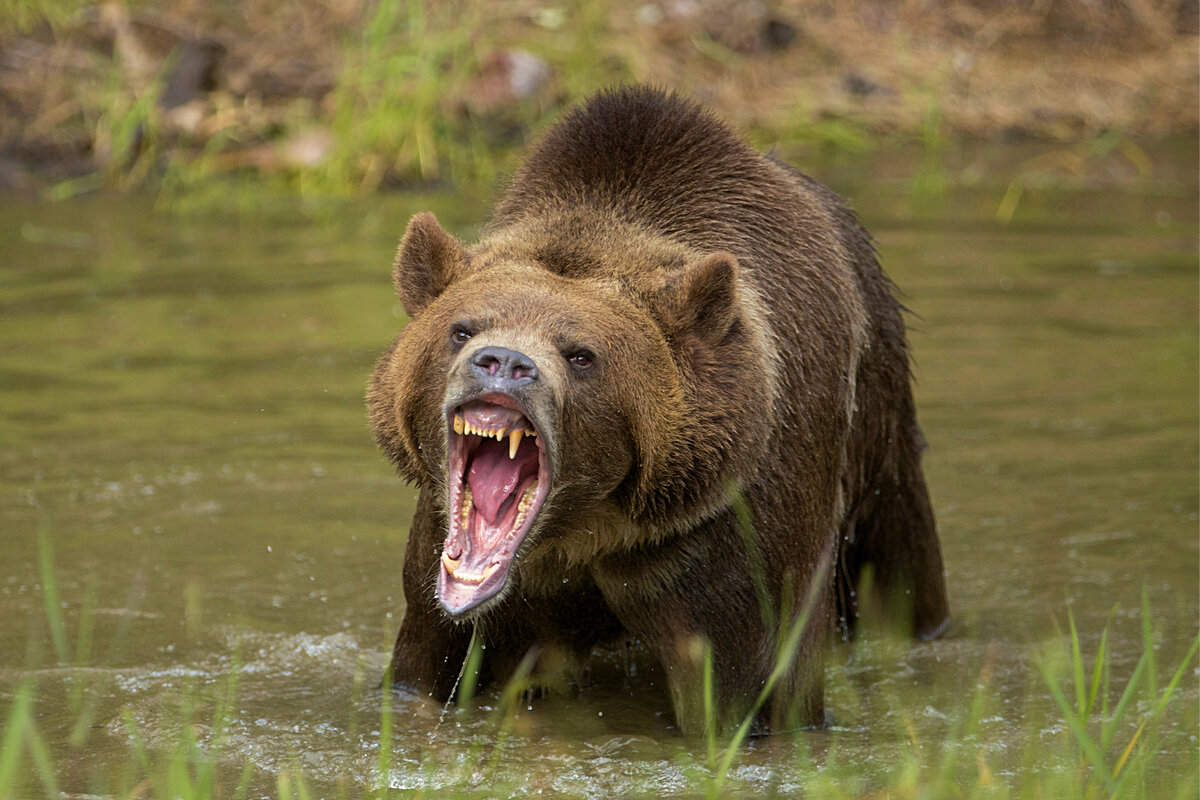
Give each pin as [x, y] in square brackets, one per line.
[747, 343]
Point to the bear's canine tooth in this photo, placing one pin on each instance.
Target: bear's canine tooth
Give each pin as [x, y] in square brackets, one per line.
[514, 441]
[451, 564]
[458, 424]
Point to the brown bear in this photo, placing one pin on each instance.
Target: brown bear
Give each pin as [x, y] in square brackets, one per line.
[666, 398]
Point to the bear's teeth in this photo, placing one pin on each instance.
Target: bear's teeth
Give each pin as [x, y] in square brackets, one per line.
[466, 504]
[523, 509]
[462, 426]
[451, 564]
[466, 577]
[527, 498]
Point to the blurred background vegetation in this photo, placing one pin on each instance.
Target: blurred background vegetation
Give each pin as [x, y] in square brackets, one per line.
[347, 97]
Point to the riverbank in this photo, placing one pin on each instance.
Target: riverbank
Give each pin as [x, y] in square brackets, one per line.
[350, 96]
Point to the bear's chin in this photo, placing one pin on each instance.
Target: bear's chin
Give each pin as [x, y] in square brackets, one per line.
[498, 478]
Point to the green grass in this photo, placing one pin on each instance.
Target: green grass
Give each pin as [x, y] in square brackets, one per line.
[1113, 742]
[394, 116]
[24, 15]
[388, 119]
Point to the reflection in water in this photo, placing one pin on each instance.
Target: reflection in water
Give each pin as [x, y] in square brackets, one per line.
[182, 406]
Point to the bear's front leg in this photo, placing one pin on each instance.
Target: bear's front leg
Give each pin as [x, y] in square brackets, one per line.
[691, 595]
[430, 648]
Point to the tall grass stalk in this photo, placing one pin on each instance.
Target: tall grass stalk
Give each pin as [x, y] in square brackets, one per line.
[504, 715]
[785, 658]
[50, 599]
[81, 704]
[383, 763]
[21, 737]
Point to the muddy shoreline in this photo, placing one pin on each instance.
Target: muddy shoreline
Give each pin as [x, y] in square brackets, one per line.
[358, 96]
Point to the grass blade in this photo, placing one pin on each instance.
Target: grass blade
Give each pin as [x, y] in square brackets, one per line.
[470, 671]
[1098, 669]
[1077, 667]
[19, 719]
[783, 662]
[1177, 677]
[1148, 645]
[42, 760]
[383, 764]
[1110, 726]
[58, 629]
[1129, 748]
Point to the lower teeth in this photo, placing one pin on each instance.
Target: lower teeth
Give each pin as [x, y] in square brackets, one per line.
[467, 504]
[522, 507]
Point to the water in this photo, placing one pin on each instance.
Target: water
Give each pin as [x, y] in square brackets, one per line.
[181, 406]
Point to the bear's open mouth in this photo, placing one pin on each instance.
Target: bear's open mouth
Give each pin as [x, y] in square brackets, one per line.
[498, 480]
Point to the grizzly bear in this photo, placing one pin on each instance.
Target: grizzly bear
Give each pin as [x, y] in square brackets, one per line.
[665, 398]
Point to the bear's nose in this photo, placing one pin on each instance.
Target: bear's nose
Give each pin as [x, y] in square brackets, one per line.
[501, 368]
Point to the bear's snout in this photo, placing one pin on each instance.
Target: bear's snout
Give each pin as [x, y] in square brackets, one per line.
[500, 369]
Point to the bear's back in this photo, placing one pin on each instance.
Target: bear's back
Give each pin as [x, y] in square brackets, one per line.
[660, 161]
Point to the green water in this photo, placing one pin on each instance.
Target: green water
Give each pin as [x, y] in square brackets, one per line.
[181, 414]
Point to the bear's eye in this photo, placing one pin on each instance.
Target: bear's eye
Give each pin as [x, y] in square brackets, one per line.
[581, 360]
[460, 335]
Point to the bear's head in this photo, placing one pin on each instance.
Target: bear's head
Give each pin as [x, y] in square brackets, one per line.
[543, 383]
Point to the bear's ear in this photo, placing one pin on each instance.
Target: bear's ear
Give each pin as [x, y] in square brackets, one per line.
[702, 298]
[429, 260]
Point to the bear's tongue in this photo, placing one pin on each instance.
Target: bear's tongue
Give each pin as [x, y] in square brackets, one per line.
[494, 477]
